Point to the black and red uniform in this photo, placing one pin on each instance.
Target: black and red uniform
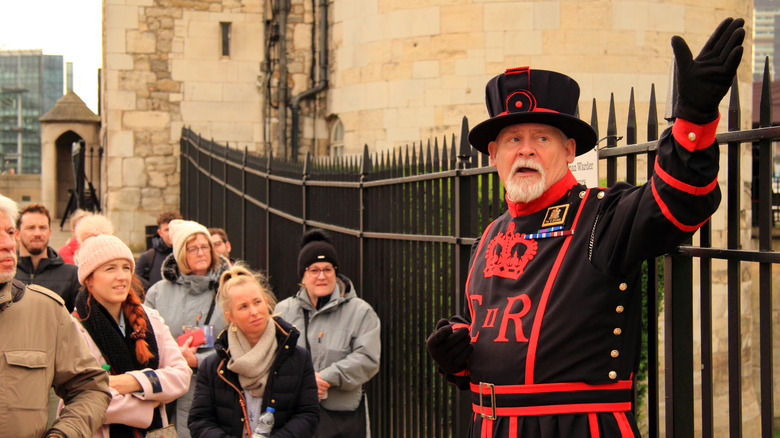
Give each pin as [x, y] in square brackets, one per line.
[554, 301]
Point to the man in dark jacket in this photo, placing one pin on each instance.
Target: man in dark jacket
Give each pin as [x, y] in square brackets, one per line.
[550, 339]
[148, 267]
[38, 262]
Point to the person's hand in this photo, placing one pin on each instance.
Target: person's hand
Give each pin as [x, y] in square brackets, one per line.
[124, 383]
[450, 349]
[189, 353]
[322, 387]
[702, 82]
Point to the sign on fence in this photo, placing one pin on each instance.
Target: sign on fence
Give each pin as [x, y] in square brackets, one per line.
[586, 168]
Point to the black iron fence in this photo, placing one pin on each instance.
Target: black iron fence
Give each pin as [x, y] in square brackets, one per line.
[404, 221]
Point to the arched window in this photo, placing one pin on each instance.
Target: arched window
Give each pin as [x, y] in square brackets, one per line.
[337, 139]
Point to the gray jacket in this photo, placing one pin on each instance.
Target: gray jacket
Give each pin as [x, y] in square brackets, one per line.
[343, 337]
[186, 300]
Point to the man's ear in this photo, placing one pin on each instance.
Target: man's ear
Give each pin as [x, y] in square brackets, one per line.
[227, 247]
[571, 150]
[492, 146]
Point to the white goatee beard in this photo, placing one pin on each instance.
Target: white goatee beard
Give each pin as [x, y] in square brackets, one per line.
[7, 276]
[526, 189]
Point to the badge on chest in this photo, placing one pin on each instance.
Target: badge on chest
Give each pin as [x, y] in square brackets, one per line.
[556, 215]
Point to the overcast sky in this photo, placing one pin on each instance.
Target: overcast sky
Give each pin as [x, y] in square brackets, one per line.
[71, 28]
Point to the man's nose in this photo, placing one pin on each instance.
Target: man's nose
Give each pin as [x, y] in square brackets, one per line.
[7, 242]
[525, 147]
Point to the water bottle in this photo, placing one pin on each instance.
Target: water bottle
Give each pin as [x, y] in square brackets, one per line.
[265, 424]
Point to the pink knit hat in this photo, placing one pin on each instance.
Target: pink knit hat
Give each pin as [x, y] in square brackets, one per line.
[99, 245]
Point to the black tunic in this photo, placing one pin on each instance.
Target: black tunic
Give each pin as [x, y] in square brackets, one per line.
[555, 318]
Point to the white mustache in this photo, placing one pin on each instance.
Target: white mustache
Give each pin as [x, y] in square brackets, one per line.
[521, 162]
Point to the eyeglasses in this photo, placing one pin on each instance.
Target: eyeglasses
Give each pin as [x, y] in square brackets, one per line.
[315, 272]
[196, 249]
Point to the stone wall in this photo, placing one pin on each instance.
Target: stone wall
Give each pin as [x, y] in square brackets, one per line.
[162, 69]
[22, 188]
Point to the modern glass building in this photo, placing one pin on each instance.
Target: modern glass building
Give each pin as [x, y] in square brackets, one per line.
[30, 85]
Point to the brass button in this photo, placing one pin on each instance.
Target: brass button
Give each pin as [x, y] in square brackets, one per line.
[600, 195]
[617, 331]
[582, 194]
[692, 136]
[286, 347]
[612, 375]
[623, 286]
[273, 401]
[619, 309]
[221, 372]
[614, 353]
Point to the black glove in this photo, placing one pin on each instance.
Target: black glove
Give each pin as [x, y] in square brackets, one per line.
[702, 82]
[450, 349]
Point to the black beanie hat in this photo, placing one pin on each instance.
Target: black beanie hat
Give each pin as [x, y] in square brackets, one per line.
[316, 247]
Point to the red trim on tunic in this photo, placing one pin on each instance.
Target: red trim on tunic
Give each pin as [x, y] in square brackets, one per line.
[684, 187]
[468, 278]
[593, 422]
[580, 408]
[541, 388]
[512, 426]
[624, 425]
[554, 193]
[704, 135]
[530, 359]
[668, 214]
[487, 428]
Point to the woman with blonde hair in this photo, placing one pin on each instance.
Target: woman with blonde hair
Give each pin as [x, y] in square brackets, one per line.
[131, 341]
[257, 366]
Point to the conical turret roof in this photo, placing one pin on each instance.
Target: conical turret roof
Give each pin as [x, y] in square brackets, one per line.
[70, 108]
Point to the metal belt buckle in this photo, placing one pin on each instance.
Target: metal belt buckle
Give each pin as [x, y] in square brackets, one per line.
[492, 388]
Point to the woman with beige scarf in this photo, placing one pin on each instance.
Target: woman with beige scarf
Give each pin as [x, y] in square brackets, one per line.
[257, 365]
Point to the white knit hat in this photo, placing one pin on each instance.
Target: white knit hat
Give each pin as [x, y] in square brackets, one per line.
[99, 245]
[181, 231]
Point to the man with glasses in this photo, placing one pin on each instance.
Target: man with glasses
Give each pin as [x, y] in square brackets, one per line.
[342, 333]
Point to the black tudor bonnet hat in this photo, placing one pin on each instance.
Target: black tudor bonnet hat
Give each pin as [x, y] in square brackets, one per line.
[316, 247]
[522, 95]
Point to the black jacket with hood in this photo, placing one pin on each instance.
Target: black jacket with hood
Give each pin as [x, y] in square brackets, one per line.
[148, 267]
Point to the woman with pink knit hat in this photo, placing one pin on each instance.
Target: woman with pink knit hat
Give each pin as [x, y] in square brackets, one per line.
[187, 298]
[131, 341]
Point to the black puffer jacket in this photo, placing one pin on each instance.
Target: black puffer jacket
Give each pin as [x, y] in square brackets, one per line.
[148, 267]
[53, 274]
[291, 390]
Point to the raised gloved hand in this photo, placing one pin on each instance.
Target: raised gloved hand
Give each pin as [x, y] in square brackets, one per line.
[702, 82]
[450, 349]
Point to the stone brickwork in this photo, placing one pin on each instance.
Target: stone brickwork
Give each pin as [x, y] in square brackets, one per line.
[163, 68]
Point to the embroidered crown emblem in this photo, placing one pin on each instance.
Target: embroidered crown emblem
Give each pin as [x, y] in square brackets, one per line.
[508, 254]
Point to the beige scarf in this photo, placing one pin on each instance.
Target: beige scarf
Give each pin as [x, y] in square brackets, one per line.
[252, 364]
